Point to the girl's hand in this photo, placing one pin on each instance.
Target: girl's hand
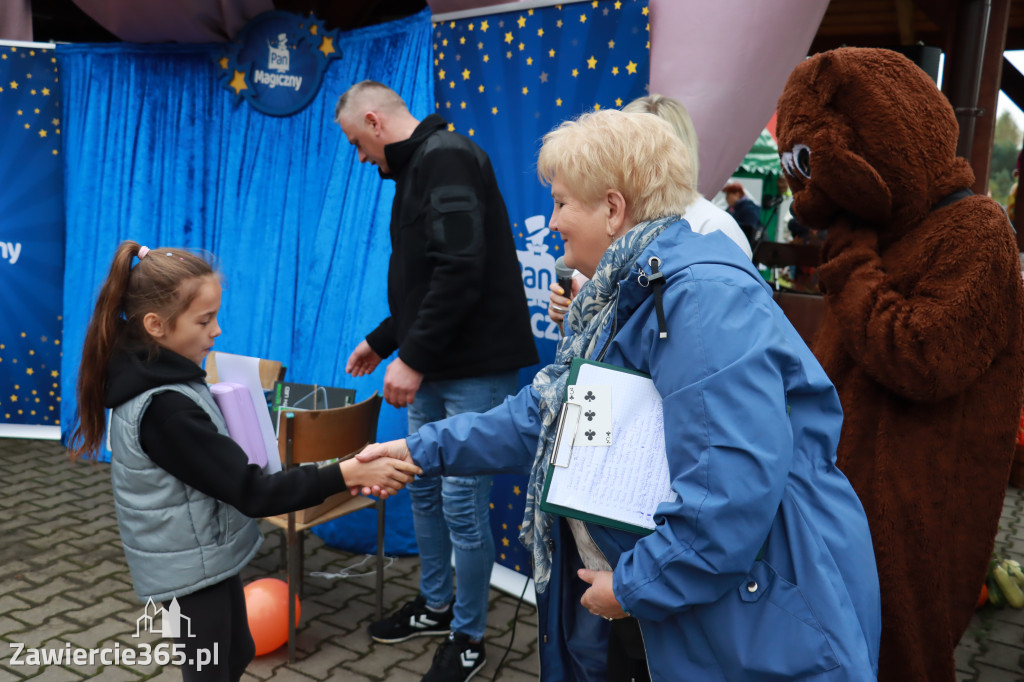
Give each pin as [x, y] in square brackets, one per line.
[380, 477]
[395, 450]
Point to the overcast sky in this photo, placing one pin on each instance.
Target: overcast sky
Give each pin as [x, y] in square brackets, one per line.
[1016, 58]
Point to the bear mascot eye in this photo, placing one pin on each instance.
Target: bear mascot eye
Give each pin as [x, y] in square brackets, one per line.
[802, 159]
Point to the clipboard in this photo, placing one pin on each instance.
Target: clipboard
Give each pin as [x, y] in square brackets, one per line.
[638, 456]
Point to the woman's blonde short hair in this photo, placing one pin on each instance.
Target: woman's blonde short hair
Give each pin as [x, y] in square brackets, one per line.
[673, 111]
[638, 155]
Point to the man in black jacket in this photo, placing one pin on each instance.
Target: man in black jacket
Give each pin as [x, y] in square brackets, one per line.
[460, 323]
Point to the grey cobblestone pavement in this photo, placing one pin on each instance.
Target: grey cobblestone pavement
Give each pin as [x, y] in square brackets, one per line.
[64, 583]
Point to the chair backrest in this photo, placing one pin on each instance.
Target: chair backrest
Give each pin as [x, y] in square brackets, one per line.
[271, 371]
[317, 435]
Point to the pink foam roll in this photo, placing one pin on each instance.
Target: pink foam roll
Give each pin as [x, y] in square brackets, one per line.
[235, 403]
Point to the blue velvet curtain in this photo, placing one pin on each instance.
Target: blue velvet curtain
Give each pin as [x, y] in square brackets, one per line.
[157, 151]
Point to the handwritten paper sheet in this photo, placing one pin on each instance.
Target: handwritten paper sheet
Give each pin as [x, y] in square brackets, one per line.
[628, 480]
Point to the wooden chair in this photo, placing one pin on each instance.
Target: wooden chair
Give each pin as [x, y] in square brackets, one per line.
[307, 436]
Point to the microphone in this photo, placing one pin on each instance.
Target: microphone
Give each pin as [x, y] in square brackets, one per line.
[563, 275]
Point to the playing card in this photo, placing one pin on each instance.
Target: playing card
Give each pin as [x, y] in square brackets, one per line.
[595, 424]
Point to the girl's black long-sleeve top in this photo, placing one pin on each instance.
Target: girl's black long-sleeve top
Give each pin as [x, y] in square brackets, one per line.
[179, 436]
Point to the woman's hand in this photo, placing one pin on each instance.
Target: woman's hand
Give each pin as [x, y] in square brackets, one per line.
[559, 304]
[599, 598]
[393, 451]
[380, 477]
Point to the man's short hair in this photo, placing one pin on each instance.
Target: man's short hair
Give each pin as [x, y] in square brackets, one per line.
[638, 155]
[373, 95]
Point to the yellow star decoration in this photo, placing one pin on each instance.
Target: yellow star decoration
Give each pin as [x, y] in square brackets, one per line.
[618, 5]
[27, 126]
[521, 47]
[494, 110]
[615, 71]
[526, 90]
[508, 55]
[594, 4]
[451, 84]
[529, 61]
[583, 18]
[451, 25]
[451, 127]
[35, 111]
[521, 21]
[591, 63]
[313, 29]
[484, 26]
[618, 102]
[487, 58]
[462, 105]
[30, 372]
[440, 56]
[440, 74]
[480, 88]
[14, 398]
[53, 373]
[540, 32]
[32, 91]
[575, 72]
[223, 61]
[558, 23]
[465, 74]
[551, 52]
[631, 67]
[14, 85]
[471, 132]
[515, 489]
[462, 40]
[504, 541]
[327, 46]
[597, 107]
[470, 27]
[479, 46]
[645, 11]
[445, 42]
[508, 37]
[611, 44]
[238, 82]
[558, 102]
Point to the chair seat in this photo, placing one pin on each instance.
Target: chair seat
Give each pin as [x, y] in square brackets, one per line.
[347, 507]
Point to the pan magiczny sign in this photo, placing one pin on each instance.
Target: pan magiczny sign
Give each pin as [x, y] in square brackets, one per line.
[277, 62]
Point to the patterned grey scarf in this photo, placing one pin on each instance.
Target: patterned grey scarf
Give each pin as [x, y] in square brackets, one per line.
[587, 317]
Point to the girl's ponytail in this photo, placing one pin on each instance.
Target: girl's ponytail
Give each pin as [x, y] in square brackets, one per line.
[102, 336]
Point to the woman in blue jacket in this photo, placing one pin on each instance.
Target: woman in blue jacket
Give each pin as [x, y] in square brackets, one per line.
[762, 567]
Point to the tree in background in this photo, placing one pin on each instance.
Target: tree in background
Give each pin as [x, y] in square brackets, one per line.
[1006, 145]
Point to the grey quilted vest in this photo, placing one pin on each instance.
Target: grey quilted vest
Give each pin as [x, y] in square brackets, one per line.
[177, 540]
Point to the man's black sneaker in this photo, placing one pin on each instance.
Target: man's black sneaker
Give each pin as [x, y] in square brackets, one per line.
[456, 660]
[414, 619]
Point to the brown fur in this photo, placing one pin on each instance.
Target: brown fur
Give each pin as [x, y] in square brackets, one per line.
[923, 336]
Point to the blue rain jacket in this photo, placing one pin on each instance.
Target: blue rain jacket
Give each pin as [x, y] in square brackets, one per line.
[763, 568]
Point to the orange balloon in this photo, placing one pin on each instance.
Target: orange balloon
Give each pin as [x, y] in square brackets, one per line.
[266, 605]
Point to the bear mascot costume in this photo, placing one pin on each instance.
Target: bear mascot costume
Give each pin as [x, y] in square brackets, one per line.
[923, 334]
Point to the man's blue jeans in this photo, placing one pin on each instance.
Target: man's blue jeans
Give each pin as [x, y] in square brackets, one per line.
[453, 512]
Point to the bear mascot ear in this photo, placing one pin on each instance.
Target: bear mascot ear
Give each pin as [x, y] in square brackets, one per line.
[827, 171]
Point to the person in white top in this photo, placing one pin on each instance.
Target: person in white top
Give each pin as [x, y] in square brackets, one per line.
[704, 217]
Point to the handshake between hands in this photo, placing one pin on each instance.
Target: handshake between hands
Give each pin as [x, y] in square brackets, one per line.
[381, 469]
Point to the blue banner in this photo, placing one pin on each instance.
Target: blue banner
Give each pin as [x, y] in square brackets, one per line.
[31, 236]
[505, 80]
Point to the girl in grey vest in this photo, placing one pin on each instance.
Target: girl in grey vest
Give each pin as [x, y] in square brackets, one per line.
[185, 494]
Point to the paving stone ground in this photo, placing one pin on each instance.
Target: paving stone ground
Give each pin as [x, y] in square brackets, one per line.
[64, 584]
